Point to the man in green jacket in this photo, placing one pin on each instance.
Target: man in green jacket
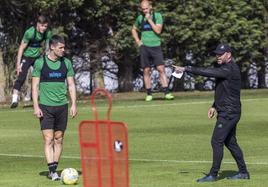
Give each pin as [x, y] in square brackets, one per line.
[29, 51]
[149, 25]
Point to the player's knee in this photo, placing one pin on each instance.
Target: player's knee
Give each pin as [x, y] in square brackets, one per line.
[146, 71]
[48, 141]
[161, 71]
[58, 140]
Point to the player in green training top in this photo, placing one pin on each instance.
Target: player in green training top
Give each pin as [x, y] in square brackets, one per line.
[49, 92]
[149, 25]
[29, 51]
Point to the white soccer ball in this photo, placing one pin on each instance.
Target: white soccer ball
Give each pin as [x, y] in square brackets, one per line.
[69, 176]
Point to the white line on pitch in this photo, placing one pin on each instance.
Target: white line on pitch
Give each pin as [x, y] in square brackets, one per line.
[142, 106]
[137, 160]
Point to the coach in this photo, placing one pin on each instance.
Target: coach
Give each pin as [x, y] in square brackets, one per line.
[228, 107]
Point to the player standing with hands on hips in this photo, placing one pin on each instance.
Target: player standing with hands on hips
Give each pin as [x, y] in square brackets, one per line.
[49, 76]
[150, 24]
[228, 107]
[29, 51]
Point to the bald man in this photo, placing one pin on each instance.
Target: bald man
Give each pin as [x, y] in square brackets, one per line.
[149, 24]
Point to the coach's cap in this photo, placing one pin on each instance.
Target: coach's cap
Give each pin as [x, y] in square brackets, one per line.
[222, 48]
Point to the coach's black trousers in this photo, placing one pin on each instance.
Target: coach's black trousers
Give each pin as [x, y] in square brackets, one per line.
[225, 134]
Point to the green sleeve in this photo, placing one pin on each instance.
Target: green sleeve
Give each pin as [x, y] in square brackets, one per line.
[138, 22]
[38, 65]
[69, 65]
[48, 36]
[159, 18]
[28, 35]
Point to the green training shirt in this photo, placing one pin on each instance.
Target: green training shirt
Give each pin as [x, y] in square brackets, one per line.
[28, 35]
[149, 38]
[52, 93]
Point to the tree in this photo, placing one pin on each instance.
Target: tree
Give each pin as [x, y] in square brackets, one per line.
[9, 11]
[196, 27]
[191, 29]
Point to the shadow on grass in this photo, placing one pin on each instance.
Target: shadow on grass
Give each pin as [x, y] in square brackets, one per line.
[222, 174]
[227, 173]
[45, 173]
[154, 99]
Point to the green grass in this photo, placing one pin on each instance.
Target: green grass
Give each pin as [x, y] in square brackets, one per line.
[169, 141]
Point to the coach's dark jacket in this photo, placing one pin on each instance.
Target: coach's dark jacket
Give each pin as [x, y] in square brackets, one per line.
[227, 89]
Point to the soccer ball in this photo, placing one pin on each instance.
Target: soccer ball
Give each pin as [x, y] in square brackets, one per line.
[69, 176]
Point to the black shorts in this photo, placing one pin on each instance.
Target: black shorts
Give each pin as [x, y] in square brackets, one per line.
[151, 56]
[54, 117]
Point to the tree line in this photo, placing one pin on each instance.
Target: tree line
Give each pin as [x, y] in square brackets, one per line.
[191, 27]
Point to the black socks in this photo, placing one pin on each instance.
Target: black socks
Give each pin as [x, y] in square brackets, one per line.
[52, 167]
[149, 91]
[165, 90]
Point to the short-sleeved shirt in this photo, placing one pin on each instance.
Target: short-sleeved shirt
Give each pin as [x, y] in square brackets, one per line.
[149, 38]
[28, 35]
[52, 93]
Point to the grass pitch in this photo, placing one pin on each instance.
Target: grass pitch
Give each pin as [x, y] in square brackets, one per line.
[169, 141]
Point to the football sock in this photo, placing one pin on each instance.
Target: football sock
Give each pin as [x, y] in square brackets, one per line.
[56, 165]
[149, 91]
[51, 167]
[165, 90]
[15, 98]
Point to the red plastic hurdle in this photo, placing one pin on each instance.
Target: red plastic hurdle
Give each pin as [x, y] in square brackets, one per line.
[104, 149]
